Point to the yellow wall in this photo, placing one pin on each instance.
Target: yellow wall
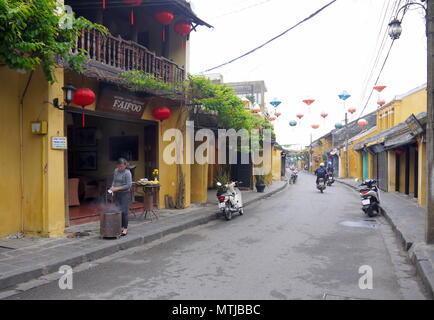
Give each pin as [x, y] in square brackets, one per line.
[276, 164]
[36, 206]
[319, 151]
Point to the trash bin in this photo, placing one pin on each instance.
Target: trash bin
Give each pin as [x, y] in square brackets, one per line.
[110, 224]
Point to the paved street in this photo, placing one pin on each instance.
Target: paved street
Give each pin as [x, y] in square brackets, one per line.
[297, 244]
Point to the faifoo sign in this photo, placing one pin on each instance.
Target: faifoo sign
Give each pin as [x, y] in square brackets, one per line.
[120, 102]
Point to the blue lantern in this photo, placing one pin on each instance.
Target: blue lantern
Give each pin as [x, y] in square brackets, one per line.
[275, 103]
[344, 95]
[339, 125]
[293, 123]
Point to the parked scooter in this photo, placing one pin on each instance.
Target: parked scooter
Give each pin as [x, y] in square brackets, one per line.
[330, 179]
[321, 185]
[370, 194]
[229, 199]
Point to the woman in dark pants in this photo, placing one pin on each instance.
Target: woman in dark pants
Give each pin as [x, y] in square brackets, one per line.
[121, 187]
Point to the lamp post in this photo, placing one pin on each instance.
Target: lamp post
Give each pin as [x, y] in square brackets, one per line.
[395, 30]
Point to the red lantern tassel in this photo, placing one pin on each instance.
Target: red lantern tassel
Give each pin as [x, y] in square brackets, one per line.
[82, 119]
[164, 34]
[132, 16]
[103, 4]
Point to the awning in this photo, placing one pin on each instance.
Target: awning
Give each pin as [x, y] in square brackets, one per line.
[400, 140]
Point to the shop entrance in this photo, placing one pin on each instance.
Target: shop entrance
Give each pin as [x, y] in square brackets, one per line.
[92, 155]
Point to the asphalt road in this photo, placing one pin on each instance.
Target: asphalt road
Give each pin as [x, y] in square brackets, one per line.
[292, 245]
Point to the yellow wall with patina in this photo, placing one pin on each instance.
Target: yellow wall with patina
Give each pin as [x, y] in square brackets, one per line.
[319, 151]
[276, 164]
[32, 200]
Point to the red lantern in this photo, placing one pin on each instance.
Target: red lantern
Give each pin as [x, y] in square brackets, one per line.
[300, 115]
[399, 152]
[83, 97]
[165, 18]
[309, 101]
[132, 3]
[379, 88]
[362, 122]
[352, 110]
[161, 113]
[315, 126]
[324, 115]
[278, 114]
[381, 102]
[183, 28]
[272, 118]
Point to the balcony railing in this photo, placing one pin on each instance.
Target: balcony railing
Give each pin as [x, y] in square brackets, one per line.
[127, 55]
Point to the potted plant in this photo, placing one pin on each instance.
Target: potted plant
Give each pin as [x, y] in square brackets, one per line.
[260, 183]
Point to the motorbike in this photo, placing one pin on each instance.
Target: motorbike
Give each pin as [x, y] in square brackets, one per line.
[330, 179]
[370, 194]
[293, 177]
[229, 199]
[321, 185]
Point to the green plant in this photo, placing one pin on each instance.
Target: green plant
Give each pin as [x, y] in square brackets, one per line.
[260, 179]
[33, 33]
[139, 81]
[223, 176]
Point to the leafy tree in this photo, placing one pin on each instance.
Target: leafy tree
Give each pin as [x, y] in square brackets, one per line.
[39, 33]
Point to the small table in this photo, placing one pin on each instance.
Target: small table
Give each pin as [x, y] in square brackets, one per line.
[151, 193]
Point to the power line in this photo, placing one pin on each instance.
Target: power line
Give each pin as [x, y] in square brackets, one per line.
[241, 9]
[272, 39]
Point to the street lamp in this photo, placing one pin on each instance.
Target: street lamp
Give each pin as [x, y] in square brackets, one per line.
[395, 29]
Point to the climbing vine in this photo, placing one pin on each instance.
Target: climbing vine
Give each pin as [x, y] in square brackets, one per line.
[40, 33]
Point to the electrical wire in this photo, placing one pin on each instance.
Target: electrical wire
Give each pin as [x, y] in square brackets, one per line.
[240, 10]
[272, 39]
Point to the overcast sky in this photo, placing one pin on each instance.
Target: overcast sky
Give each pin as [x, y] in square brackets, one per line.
[330, 53]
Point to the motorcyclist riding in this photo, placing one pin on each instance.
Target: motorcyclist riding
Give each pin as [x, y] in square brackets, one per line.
[321, 172]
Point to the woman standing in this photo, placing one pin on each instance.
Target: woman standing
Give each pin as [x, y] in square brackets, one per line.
[121, 187]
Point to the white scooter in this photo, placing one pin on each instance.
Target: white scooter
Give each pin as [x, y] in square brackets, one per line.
[229, 199]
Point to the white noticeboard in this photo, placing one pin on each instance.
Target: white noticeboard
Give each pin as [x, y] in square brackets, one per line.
[59, 143]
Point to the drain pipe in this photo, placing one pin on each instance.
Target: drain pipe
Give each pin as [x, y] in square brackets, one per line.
[22, 148]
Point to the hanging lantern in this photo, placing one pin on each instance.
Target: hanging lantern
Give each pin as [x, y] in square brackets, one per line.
[381, 102]
[324, 115]
[278, 114]
[344, 95]
[339, 125]
[183, 28]
[272, 118]
[362, 122]
[161, 113]
[164, 18]
[300, 115]
[311, 151]
[275, 103]
[315, 126]
[132, 3]
[103, 4]
[352, 110]
[83, 97]
[379, 88]
[399, 151]
[256, 108]
[292, 123]
[309, 101]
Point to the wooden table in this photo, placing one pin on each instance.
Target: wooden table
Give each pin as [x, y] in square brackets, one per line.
[151, 197]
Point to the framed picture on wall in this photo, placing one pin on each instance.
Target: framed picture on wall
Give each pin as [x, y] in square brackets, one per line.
[85, 137]
[87, 160]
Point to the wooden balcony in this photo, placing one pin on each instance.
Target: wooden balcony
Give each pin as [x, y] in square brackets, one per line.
[123, 55]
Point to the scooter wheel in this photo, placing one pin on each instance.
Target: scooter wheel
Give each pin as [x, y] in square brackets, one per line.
[228, 213]
[241, 211]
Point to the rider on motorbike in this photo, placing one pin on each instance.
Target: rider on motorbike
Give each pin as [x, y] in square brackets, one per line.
[321, 172]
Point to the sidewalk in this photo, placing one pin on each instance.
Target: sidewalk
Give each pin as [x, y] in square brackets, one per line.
[28, 258]
[408, 221]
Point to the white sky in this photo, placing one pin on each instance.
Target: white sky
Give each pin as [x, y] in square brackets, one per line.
[330, 53]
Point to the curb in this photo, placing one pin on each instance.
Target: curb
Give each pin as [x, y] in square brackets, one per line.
[420, 261]
[11, 279]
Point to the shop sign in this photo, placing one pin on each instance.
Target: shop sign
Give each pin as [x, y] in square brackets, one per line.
[118, 102]
[59, 143]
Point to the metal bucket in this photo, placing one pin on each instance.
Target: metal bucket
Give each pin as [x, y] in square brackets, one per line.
[110, 224]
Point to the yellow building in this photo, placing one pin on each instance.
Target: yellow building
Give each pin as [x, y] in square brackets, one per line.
[58, 163]
[397, 150]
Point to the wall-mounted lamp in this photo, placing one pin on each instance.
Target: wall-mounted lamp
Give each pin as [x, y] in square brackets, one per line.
[68, 91]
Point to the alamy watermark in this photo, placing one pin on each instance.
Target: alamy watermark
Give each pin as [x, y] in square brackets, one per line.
[231, 147]
[366, 281]
[65, 281]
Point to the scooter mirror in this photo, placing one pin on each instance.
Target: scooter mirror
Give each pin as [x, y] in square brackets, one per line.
[219, 184]
[356, 180]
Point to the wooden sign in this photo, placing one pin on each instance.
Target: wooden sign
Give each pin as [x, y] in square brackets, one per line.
[120, 102]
